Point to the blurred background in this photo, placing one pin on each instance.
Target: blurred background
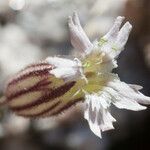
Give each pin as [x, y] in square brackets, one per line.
[31, 30]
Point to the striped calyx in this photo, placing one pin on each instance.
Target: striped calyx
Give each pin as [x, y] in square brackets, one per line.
[35, 92]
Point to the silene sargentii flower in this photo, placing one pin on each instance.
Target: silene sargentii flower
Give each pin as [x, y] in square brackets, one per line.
[50, 87]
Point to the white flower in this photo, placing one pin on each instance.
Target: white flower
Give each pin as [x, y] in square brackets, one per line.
[54, 85]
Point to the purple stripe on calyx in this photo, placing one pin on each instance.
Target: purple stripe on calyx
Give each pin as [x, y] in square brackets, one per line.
[40, 71]
[50, 95]
[67, 106]
[41, 85]
[42, 112]
[41, 64]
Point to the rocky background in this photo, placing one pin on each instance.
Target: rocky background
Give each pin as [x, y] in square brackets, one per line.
[31, 30]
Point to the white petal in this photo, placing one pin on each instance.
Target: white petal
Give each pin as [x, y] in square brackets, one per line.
[65, 68]
[123, 102]
[61, 62]
[113, 32]
[97, 114]
[126, 91]
[79, 39]
[106, 120]
[123, 35]
[95, 128]
[136, 87]
[111, 117]
[114, 41]
[129, 104]
[77, 23]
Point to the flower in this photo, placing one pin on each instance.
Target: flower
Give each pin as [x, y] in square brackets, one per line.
[52, 86]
